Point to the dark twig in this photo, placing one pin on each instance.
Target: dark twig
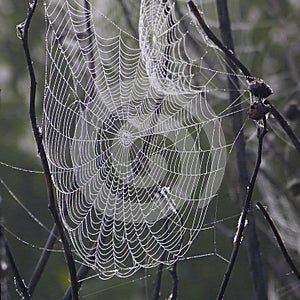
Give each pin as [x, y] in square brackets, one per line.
[242, 220]
[217, 42]
[253, 247]
[157, 283]
[279, 240]
[285, 126]
[23, 32]
[39, 269]
[20, 285]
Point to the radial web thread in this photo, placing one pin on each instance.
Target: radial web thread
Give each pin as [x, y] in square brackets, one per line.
[133, 131]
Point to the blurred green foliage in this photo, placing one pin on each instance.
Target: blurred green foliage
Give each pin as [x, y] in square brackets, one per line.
[267, 40]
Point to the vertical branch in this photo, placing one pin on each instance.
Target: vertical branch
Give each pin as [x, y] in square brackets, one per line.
[157, 284]
[23, 32]
[242, 220]
[253, 247]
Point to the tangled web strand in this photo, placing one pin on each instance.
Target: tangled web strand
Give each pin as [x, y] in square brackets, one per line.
[135, 149]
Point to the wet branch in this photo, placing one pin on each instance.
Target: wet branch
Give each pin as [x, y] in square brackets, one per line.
[23, 31]
[229, 53]
[157, 283]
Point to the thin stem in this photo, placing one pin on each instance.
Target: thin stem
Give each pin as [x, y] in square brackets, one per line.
[284, 124]
[39, 269]
[83, 270]
[242, 220]
[23, 31]
[18, 279]
[157, 284]
[279, 240]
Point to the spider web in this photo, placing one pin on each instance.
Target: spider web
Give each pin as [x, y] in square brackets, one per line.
[133, 131]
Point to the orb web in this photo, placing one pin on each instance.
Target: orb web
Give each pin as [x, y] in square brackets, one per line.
[133, 132]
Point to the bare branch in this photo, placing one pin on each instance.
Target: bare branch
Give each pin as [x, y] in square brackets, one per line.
[279, 240]
[242, 220]
[23, 32]
[218, 43]
[284, 124]
[81, 274]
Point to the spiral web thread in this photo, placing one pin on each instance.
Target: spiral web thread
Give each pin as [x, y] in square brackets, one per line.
[133, 131]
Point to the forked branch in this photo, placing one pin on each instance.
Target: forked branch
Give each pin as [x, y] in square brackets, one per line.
[242, 221]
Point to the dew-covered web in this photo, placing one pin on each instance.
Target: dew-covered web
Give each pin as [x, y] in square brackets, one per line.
[134, 131]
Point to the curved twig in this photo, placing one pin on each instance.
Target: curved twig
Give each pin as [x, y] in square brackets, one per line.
[194, 9]
[279, 240]
[284, 124]
[23, 32]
